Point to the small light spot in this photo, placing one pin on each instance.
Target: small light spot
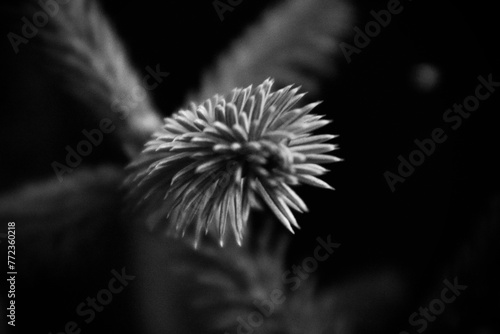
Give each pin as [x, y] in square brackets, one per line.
[425, 77]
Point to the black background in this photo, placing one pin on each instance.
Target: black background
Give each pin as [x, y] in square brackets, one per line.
[378, 111]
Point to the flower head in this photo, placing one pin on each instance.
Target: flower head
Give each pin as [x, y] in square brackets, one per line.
[209, 165]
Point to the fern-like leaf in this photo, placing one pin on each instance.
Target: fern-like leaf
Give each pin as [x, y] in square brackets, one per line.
[220, 287]
[294, 42]
[81, 47]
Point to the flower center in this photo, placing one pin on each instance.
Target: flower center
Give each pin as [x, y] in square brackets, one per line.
[263, 158]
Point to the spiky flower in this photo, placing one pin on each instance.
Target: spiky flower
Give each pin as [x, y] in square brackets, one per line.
[209, 165]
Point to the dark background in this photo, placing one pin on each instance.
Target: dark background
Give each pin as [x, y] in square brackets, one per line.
[378, 108]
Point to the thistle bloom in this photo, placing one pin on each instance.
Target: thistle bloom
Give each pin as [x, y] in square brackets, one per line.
[209, 165]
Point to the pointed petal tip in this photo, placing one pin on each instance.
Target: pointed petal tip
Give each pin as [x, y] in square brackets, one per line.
[327, 186]
[289, 228]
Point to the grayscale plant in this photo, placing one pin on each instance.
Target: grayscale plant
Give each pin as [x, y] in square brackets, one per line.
[257, 132]
[226, 151]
